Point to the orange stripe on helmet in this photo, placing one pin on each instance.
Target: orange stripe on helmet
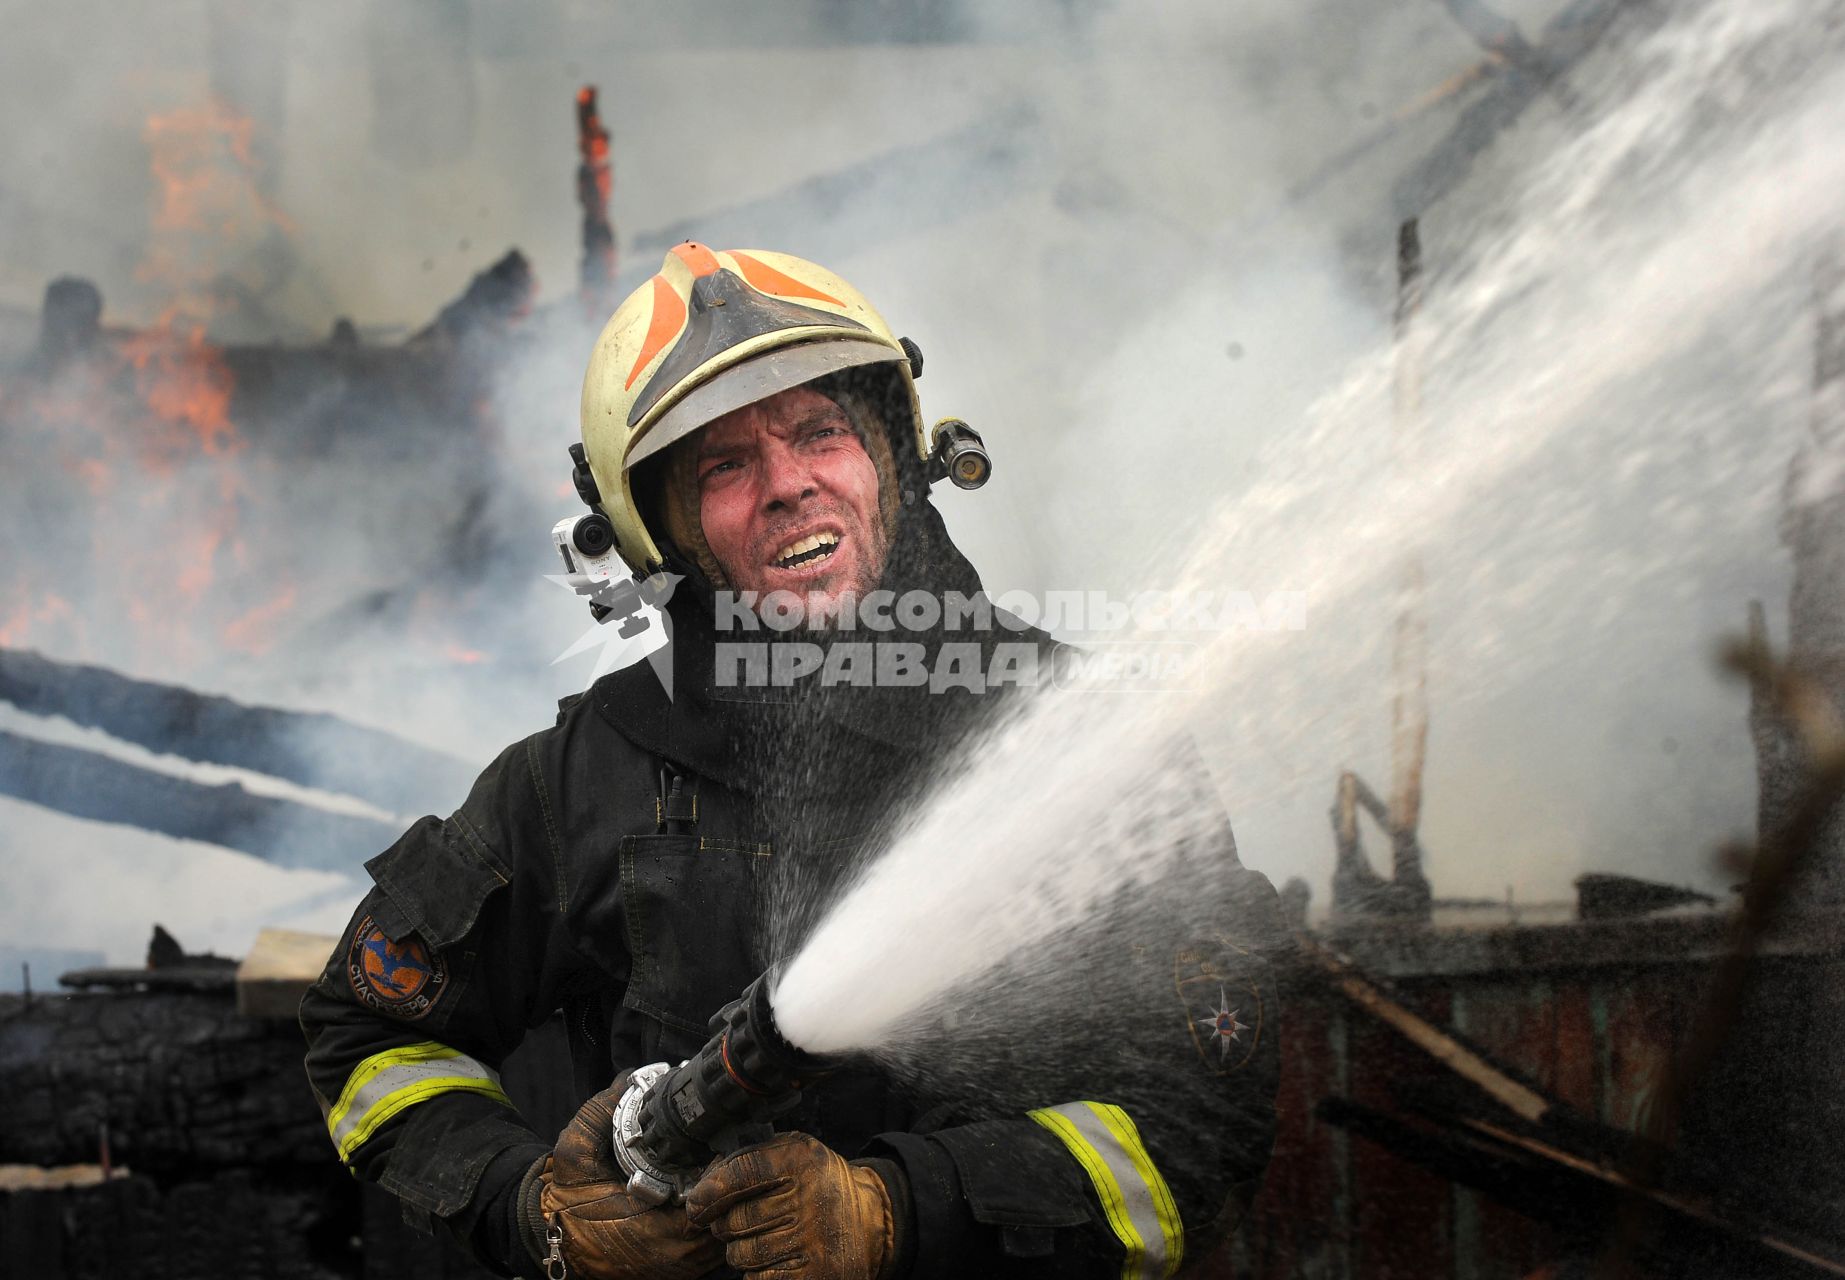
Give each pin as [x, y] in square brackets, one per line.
[766, 278]
[701, 260]
[668, 320]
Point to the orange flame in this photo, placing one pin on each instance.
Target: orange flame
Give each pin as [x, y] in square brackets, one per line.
[145, 425]
[184, 382]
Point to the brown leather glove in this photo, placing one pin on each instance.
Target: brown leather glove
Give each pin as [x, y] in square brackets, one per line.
[791, 1209]
[581, 1193]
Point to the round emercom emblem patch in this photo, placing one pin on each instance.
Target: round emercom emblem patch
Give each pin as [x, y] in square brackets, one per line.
[1220, 986]
[399, 978]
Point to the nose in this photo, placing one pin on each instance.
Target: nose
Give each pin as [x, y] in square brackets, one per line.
[787, 479]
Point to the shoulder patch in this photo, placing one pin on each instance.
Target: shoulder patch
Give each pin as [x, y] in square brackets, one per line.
[1219, 986]
[399, 978]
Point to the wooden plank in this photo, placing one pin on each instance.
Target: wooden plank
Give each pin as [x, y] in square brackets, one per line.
[281, 966]
[1522, 1101]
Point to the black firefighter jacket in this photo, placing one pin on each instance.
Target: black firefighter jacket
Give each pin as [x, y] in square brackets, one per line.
[619, 867]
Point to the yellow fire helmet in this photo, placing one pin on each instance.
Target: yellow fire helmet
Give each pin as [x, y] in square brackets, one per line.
[712, 332]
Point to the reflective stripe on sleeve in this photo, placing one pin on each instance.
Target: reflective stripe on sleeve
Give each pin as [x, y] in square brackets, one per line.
[385, 1083]
[1133, 1194]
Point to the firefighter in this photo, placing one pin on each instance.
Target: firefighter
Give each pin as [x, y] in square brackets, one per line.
[751, 425]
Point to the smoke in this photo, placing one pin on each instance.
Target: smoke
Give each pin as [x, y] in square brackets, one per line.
[1079, 211]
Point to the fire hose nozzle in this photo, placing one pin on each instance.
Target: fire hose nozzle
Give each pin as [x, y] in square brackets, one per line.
[671, 1121]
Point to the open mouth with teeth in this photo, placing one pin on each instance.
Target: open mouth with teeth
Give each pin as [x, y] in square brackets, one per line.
[809, 550]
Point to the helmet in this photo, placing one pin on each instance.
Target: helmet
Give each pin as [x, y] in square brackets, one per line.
[712, 332]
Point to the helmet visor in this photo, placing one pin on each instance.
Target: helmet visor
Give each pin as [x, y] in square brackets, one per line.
[756, 379]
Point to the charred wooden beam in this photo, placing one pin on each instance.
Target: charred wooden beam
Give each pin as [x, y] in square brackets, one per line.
[1409, 740]
[1500, 37]
[312, 749]
[88, 784]
[1681, 1211]
[1777, 763]
[1813, 528]
[70, 324]
[1357, 890]
[1603, 895]
[170, 967]
[1393, 124]
[494, 300]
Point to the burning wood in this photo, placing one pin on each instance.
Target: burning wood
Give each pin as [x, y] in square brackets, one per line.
[495, 298]
[595, 181]
[185, 384]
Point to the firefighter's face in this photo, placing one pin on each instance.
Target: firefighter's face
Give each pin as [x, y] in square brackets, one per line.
[788, 499]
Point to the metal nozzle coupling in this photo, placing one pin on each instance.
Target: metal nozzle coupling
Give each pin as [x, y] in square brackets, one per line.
[672, 1120]
[959, 455]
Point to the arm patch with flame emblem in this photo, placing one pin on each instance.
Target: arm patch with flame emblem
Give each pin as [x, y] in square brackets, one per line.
[401, 978]
[1221, 987]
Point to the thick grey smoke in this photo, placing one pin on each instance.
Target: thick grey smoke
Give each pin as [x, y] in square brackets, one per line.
[1083, 213]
